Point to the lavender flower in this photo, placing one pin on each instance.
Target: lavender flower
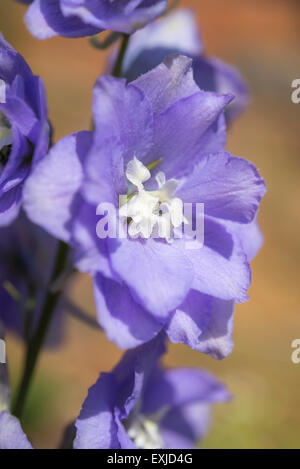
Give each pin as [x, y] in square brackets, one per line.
[24, 128]
[137, 405]
[164, 122]
[77, 18]
[141, 405]
[178, 32]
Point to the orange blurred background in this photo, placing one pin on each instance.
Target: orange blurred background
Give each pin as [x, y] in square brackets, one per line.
[261, 38]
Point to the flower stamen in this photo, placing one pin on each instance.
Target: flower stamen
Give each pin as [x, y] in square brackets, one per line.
[156, 212]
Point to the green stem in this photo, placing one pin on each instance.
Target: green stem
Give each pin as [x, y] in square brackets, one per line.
[117, 71]
[36, 343]
[109, 41]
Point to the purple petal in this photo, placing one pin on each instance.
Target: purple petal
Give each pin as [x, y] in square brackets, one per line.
[26, 110]
[42, 130]
[171, 81]
[134, 371]
[230, 187]
[96, 426]
[10, 204]
[195, 117]
[12, 63]
[159, 275]
[190, 320]
[249, 235]
[49, 192]
[11, 433]
[212, 74]
[125, 322]
[116, 16]
[104, 173]
[181, 386]
[124, 440]
[91, 254]
[216, 339]
[204, 324]
[17, 110]
[44, 19]
[183, 428]
[113, 397]
[124, 113]
[185, 396]
[117, 138]
[221, 268]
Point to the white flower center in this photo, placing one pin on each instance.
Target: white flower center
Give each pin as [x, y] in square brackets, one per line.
[145, 433]
[149, 213]
[5, 132]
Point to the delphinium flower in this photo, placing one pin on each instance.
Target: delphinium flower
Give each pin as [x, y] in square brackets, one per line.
[178, 32]
[158, 141]
[26, 262]
[138, 405]
[77, 18]
[24, 128]
[142, 405]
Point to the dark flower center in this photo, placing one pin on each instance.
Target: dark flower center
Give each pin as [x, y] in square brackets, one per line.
[4, 154]
[5, 140]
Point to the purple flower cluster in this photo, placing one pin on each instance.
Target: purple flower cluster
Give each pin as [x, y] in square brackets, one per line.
[158, 146]
[141, 405]
[145, 285]
[138, 405]
[24, 128]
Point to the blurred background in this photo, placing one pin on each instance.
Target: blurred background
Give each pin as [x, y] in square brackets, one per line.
[261, 38]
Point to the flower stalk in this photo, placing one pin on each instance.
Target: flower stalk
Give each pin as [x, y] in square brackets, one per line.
[117, 71]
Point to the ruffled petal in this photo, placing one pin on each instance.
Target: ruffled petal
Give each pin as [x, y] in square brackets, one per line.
[186, 131]
[51, 189]
[230, 187]
[204, 324]
[221, 268]
[169, 82]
